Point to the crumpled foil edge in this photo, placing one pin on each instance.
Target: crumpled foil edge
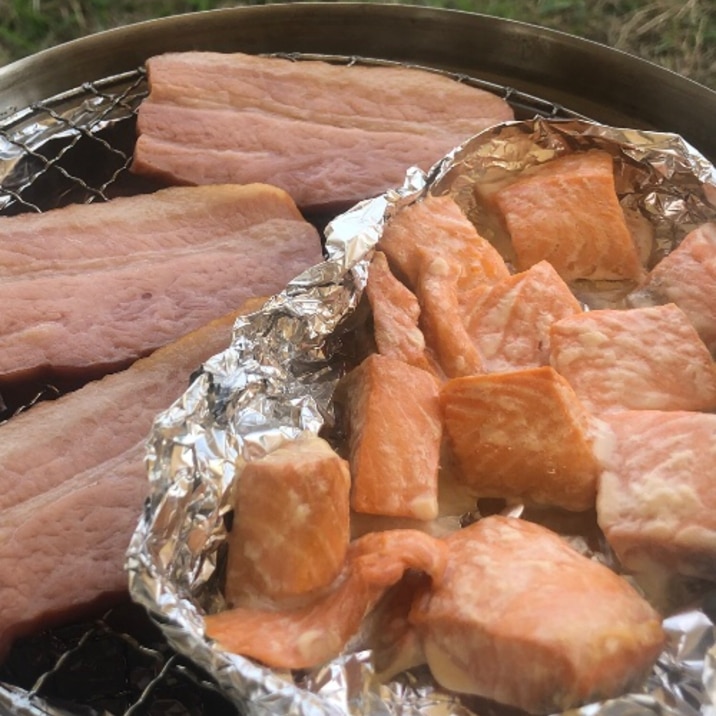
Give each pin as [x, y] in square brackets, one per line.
[276, 380]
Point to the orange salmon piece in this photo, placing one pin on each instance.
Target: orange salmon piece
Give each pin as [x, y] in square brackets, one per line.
[525, 620]
[566, 211]
[445, 333]
[687, 277]
[291, 523]
[396, 312]
[510, 326]
[437, 226]
[657, 502]
[522, 434]
[637, 359]
[394, 426]
[320, 630]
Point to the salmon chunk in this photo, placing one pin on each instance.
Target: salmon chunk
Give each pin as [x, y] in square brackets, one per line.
[523, 619]
[445, 333]
[687, 277]
[566, 211]
[320, 630]
[396, 312]
[393, 420]
[510, 326]
[291, 523]
[657, 502]
[639, 359]
[522, 434]
[437, 226]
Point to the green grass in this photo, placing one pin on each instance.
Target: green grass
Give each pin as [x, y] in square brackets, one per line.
[678, 34]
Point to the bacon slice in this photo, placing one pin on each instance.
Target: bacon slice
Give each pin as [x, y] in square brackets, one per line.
[522, 434]
[394, 426]
[291, 523]
[313, 634]
[638, 359]
[101, 314]
[523, 619]
[656, 502]
[566, 211]
[317, 130]
[687, 277]
[72, 483]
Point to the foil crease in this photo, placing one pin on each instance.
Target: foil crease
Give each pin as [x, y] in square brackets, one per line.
[275, 381]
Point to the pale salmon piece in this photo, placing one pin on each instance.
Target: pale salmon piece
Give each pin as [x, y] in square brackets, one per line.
[525, 620]
[656, 501]
[637, 359]
[291, 523]
[396, 312]
[441, 320]
[319, 631]
[567, 212]
[687, 277]
[394, 426]
[510, 326]
[437, 226]
[522, 434]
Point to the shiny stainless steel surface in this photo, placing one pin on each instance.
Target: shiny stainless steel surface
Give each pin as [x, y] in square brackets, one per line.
[602, 83]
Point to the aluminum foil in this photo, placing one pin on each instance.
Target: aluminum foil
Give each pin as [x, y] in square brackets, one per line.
[275, 381]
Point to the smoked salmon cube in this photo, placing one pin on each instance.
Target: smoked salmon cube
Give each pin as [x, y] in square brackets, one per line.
[445, 333]
[523, 619]
[291, 527]
[636, 359]
[394, 427]
[566, 211]
[312, 633]
[522, 434]
[396, 313]
[657, 503]
[437, 226]
[510, 326]
[687, 277]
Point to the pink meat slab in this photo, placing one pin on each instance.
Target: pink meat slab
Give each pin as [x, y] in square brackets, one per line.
[321, 131]
[72, 483]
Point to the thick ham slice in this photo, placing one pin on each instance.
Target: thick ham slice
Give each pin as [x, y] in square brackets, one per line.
[72, 482]
[522, 618]
[102, 310]
[84, 236]
[327, 134]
